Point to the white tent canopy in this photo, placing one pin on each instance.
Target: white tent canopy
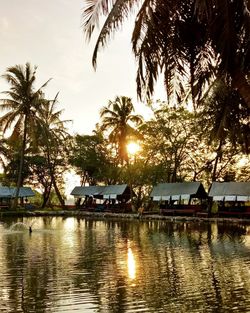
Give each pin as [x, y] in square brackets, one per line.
[230, 191]
[178, 191]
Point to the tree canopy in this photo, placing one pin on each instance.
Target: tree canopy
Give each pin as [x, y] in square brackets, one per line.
[22, 103]
[118, 119]
[189, 42]
[38, 135]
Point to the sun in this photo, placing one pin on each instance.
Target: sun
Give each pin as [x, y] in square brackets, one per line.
[133, 147]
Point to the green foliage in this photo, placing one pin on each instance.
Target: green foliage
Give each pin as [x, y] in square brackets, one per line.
[93, 161]
[11, 171]
[169, 139]
[55, 143]
[176, 145]
[22, 103]
[223, 122]
[38, 134]
[139, 175]
[120, 122]
[40, 176]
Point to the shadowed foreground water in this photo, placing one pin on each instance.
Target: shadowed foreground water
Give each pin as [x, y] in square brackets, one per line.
[78, 265]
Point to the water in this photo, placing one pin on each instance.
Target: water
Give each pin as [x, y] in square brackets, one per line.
[78, 265]
[19, 226]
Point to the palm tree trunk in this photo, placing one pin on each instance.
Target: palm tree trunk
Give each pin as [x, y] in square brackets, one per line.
[53, 180]
[130, 186]
[176, 165]
[192, 78]
[46, 195]
[59, 196]
[218, 155]
[19, 179]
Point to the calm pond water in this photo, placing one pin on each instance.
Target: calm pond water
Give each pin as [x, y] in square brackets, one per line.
[79, 265]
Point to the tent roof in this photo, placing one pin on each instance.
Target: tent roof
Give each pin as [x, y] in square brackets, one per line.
[230, 188]
[23, 192]
[186, 188]
[114, 190]
[10, 192]
[81, 191]
[5, 192]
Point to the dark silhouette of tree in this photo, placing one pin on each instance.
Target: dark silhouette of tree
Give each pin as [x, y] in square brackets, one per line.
[117, 118]
[53, 138]
[187, 41]
[22, 103]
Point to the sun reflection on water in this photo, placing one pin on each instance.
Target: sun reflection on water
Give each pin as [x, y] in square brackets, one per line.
[131, 264]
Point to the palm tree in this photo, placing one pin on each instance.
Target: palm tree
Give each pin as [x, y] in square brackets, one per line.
[52, 136]
[188, 41]
[117, 117]
[223, 123]
[3, 153]
[22, 103]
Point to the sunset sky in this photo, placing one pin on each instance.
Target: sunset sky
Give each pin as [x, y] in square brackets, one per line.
[49, 34]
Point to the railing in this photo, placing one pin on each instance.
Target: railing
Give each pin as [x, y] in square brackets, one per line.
[237, 211]
[115, 208]
[181, 209]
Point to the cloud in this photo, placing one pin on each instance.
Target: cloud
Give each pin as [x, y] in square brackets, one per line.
[48, 34]
[4, 24]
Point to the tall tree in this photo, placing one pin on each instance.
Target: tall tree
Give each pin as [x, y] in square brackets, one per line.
[40, 176]
[3, 152]
[169, 140]
[91, 157]
[22, 103]
[118, 118]
[53, 138]
[225, 126]
[188, 41]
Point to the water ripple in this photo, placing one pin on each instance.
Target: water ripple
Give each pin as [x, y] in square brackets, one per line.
[75, 265]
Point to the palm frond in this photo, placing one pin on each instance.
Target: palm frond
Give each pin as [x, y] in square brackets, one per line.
[92, 12]
[106, 111]
[17, 130]
[7, 120]
[119, 12]
[8, 104]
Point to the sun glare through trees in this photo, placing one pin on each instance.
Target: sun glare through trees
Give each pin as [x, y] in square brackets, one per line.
[133, 147]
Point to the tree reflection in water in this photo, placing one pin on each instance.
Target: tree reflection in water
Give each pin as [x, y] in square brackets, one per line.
[88, 265]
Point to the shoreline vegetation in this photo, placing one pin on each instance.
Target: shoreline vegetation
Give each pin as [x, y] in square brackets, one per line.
[121, 151]
[198, 132]
[146, 216]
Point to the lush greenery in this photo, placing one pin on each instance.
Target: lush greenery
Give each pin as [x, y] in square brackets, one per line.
[175, 144]
[36, 149]
[202, 51]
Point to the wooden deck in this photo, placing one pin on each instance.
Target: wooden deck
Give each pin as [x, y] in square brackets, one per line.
[175, 210]
[111, 208]
[4, 206]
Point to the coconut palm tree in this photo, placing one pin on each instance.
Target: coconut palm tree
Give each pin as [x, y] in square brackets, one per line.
[188, 41]
[22, 103]
[117, 117]
[3, 153]
[52, 136]
[222, 123]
